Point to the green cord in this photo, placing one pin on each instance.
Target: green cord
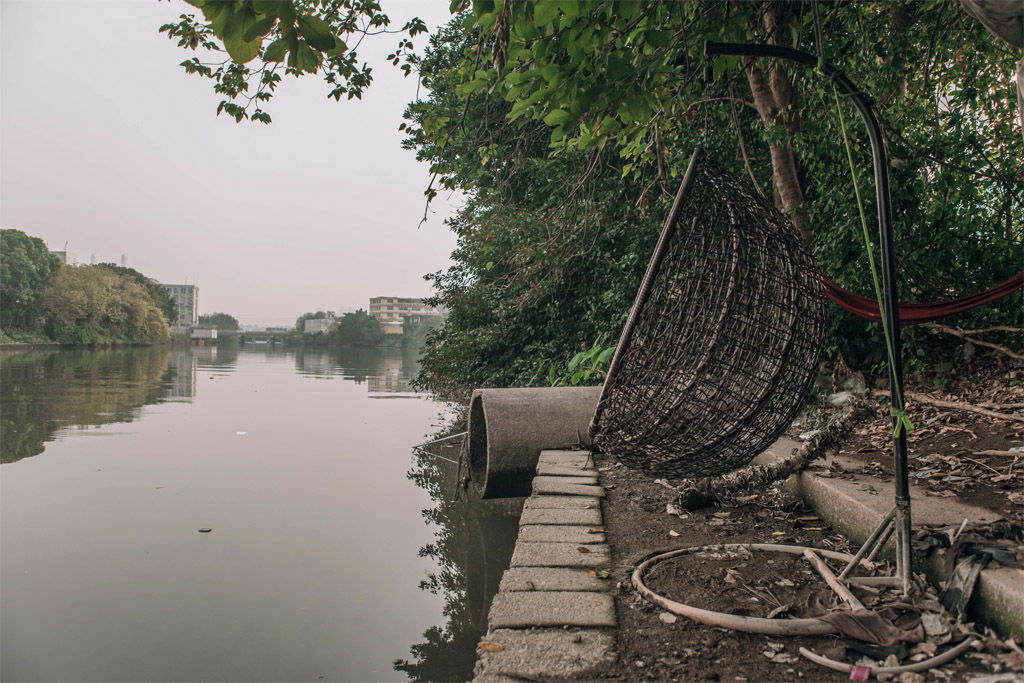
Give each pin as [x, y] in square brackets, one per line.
[902, 421]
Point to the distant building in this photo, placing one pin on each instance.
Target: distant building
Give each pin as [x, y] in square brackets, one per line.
[394, 310]
[187, 299]
[204, 335]
[314, 325]
[62, 255]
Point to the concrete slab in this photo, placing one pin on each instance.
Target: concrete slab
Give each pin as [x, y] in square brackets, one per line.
[856, 505]
[563, 457]
[566, 471]
[566, 486]
[588, 517]
[560, 555]
[551, 608]
[562, 502]
[543, 654]
[550, 579]
[559, 533]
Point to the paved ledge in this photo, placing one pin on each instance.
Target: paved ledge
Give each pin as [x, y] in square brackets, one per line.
[855, 506]
[590, 517]
[562, 503]
[551, 608]
[552, 615]
[560, 533]
[564, 554]
[568, 653]
[550, 579]
[572, 486]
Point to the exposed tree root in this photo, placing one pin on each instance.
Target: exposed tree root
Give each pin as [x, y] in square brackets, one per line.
[698, 493]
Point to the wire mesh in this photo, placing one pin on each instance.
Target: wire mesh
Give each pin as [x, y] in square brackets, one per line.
[724, 338]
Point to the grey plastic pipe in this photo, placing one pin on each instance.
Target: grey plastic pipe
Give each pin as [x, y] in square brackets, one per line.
[508, 428]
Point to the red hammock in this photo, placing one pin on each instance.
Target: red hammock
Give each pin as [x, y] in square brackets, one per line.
[913, 314]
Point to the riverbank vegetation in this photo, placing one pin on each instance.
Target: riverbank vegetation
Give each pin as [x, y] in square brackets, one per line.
[363, 330]
[42, 299]
[221, 321]
[567, 125]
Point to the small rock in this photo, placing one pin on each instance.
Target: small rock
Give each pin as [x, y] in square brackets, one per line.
[638, 664]
[668, 617]
[968, 350]
[911, 677]
[855, 383]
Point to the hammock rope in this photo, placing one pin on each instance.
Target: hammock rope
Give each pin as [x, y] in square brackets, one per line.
[915, 314]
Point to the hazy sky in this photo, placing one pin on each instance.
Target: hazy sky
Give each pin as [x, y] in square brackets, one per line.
[107, 144]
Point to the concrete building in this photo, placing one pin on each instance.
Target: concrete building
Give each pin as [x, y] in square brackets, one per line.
[314, 325]
[187, 299]
[393, 309]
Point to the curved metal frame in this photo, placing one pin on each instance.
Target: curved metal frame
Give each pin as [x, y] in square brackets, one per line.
[889, 286]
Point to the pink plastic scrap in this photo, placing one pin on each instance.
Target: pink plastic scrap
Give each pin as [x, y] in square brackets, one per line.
[860, 673]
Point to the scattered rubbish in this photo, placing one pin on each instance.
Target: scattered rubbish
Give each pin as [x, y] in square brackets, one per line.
[839, 398]
[205, 530]
[583, 549]
[673, 533]
[600, 574]
[807, 436]
[596, 530]
[491, 647]
[240, 433]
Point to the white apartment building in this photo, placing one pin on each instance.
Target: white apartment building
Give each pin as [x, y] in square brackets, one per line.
[187, 299]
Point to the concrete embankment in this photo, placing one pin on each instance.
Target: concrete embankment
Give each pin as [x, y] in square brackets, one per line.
[855, 505]
[553, 616]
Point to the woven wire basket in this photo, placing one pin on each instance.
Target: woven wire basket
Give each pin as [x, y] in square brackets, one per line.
[724, 339]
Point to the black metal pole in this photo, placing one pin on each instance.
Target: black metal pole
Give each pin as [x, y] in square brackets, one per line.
[890, 291]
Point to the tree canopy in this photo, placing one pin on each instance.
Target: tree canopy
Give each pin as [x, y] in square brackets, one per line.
[222, 321]
[568, 122]
[25, 267]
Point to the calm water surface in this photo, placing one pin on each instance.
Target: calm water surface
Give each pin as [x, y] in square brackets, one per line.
[332, 555]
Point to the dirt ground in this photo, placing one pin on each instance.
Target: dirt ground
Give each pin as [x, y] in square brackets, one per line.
[655, 646]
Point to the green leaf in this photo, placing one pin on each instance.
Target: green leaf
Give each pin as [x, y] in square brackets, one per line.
[276, 51]
[317, 32]
[544, 11]
[240, 49]
[304, 58]
[557, 117]
[260, 28]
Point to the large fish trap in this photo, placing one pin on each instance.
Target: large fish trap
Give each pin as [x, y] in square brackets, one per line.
[724, 338]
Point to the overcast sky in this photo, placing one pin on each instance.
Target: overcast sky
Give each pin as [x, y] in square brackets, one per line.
[108, 145]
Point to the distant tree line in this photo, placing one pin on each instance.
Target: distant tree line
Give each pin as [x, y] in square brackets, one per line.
[221, 321]
[362, 329]
[42, 299]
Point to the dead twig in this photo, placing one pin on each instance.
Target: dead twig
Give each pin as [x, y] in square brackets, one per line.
[971, 336]
[966, 407]
[999, 453]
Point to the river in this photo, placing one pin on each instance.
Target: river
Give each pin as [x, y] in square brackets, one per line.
[235, 514]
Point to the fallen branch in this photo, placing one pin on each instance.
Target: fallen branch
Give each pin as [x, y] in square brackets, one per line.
[968, 335]
[967, 407]
[698, 493]
[1000, 453]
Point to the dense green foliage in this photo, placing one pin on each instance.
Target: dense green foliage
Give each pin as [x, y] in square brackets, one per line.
[351, 329]
[25, 266]
[95, 304]
[157, 292]
[222, 321]
[567, 124]
[41, 299]
[357, 329]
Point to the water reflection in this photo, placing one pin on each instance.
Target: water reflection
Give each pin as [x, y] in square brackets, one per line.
[187, 459]
[44, 392]
[472, 549]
